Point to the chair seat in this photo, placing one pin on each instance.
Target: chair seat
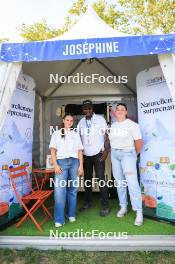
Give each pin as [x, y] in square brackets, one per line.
[36, 195]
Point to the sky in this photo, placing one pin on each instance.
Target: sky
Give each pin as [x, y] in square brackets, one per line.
[16, 12]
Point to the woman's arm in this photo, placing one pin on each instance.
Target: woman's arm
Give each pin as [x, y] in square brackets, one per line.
[138, 145]
[80, 157]
[54, 160]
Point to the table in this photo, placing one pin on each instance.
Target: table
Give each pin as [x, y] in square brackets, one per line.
[46, 174]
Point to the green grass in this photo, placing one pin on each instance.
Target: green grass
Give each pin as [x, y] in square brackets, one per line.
[32, 256]
[91, 220]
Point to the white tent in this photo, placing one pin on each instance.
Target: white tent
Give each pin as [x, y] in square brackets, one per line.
[49, 95]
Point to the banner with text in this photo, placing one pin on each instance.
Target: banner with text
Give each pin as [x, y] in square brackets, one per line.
[156, 112]
[71, 49]
[16, 139]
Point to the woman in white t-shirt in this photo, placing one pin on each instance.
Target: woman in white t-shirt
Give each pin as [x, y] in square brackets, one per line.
[67, 156]
[126, 142]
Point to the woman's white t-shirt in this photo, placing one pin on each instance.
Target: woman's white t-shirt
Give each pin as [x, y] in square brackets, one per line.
[67, 146]
[122, 134]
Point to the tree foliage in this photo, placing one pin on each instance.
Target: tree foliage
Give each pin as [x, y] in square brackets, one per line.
[3, 40]
[135, 16]
[39, 31]
[78, 8]
[149, 16]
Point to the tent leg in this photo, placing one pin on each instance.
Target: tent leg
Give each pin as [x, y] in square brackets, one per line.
[41, 121]
[43, 158]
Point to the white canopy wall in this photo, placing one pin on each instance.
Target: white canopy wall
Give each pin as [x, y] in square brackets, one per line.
[9, 73]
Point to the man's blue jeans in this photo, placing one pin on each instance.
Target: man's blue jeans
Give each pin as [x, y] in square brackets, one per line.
[125, 174]
[65, 189]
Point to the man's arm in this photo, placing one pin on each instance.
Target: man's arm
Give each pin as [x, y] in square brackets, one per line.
[106, 147]
[138, 145]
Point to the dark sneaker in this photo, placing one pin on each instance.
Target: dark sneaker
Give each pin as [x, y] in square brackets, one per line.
[105, 211]
[85, 207]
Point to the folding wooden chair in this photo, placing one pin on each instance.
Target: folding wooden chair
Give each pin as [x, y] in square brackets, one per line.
[39, 196]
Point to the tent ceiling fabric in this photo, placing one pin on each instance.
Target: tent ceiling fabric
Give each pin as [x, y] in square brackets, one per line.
[41, 71]
[129, 66]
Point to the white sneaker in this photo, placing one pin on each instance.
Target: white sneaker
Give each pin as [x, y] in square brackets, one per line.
[122, 211]
[58, 225]
[139, 218]
[72, 219]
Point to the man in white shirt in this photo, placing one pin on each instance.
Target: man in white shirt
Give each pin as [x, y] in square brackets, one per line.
[92, 130]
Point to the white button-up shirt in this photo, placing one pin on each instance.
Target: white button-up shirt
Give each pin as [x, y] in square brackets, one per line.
[68, 146]
[92, 133]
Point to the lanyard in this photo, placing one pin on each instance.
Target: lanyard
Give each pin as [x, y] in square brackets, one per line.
[88, 125]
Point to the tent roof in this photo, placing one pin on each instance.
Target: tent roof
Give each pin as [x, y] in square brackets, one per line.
[90, 25]
[91, 37]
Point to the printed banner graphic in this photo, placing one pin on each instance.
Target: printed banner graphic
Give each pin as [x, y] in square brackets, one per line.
[87, 48]
[156, 111]
[16, 140]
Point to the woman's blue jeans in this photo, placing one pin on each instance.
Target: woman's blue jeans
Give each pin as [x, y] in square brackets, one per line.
[125, 174]
[65, 189]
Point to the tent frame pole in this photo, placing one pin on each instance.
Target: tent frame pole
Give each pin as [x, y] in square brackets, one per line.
[44, 129]
[41, 130]
[79, 97]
